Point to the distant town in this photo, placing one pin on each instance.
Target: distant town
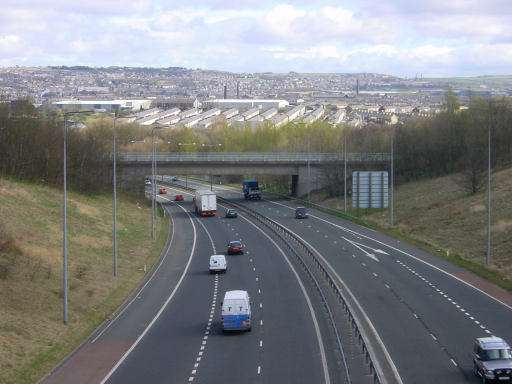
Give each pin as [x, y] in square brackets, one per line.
[200, 98]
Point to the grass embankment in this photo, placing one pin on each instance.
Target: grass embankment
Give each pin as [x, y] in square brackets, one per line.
[439, 217]
[33, 338]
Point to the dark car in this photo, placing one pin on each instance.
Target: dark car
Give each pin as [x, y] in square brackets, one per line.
[235, 248]
[492, 360]
[175, 178]
[301, 213]
[179, 198]
[231, 213]
[162, 191]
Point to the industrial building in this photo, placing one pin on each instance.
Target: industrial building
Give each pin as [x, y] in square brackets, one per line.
[103, 105]
[245, 103]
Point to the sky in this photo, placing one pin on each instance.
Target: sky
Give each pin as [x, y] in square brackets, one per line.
[405, 38]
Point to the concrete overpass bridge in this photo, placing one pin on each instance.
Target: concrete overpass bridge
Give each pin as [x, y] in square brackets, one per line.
[134, 166]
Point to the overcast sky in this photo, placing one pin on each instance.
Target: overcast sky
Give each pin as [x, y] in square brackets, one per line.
[397, 37]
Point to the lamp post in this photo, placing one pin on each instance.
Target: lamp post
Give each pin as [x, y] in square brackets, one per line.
[115, 193]
[153, 186]
[64, 221]
[345, 168]
[488, 254]
[185, 145]
[211, 145]
[309, 170]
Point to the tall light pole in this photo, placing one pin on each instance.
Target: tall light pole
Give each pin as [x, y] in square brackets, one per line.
[153, 186]
[488, 255]
[309, 171]
[115, 193]
[184, 145]
[64, 221]
[345, 168]
[211, 145]
[394, 121]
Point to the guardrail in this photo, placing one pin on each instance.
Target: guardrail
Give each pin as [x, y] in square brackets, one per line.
[276, 227]
[293, 157]
[270, 223]
[330, 281]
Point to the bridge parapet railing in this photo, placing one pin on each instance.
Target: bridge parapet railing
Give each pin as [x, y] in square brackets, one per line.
[292, 157]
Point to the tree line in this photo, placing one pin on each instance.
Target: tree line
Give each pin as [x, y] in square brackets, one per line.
[454, 141]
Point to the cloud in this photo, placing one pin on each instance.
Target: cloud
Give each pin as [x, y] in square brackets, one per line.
[10, 44]
[396, 37]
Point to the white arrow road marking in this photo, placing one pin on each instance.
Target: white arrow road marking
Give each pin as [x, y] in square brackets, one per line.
[362, 246]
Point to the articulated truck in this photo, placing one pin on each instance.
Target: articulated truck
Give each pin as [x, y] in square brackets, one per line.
[205, 203]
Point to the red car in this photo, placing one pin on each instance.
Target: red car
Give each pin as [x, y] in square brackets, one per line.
[235, 247]
[162, 191]
[179, 198]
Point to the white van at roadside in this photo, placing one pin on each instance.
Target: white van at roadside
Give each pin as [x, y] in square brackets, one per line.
[218, 263]
[236, 311]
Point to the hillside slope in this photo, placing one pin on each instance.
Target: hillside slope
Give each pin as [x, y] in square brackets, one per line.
[33, 338]
[439, 213]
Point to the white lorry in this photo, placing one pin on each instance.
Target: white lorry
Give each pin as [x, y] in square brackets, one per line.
[205, 203]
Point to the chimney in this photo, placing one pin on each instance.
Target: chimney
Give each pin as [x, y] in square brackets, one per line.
[225, 92]
[357, 87]
[237, 89]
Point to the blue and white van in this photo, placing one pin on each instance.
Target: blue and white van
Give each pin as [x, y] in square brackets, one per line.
[236, 311]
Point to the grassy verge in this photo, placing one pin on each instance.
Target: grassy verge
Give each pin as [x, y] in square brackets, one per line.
[438, 216]
[33, 338]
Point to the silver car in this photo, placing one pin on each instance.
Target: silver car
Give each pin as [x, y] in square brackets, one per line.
[492, 360]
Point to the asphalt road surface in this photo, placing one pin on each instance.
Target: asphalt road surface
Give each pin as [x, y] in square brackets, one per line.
[426, 311]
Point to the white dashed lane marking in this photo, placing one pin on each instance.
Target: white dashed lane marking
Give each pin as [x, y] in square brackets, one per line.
[444, 295]
[206, 332]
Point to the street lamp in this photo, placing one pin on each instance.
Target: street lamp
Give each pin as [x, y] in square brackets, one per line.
[64, 221]
[345, 168]
[211, 145]
[185, 145]
[115, 193]
[309, 170]
[153, 186]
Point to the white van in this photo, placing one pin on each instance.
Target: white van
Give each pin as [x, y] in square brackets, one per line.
[236, 311]
[218, 263]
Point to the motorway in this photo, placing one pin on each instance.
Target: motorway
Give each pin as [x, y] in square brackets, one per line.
[170, 330]
[421, 311]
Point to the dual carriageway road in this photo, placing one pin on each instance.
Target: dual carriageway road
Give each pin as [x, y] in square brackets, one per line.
[423, 313]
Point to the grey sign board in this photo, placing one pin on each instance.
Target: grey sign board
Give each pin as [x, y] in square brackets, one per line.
[370, 189]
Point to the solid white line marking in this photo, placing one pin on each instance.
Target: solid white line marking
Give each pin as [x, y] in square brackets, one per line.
[142, 288]
[310, 306]
[161, 309]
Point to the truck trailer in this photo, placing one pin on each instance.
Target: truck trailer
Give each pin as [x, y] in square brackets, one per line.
[205, 203]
